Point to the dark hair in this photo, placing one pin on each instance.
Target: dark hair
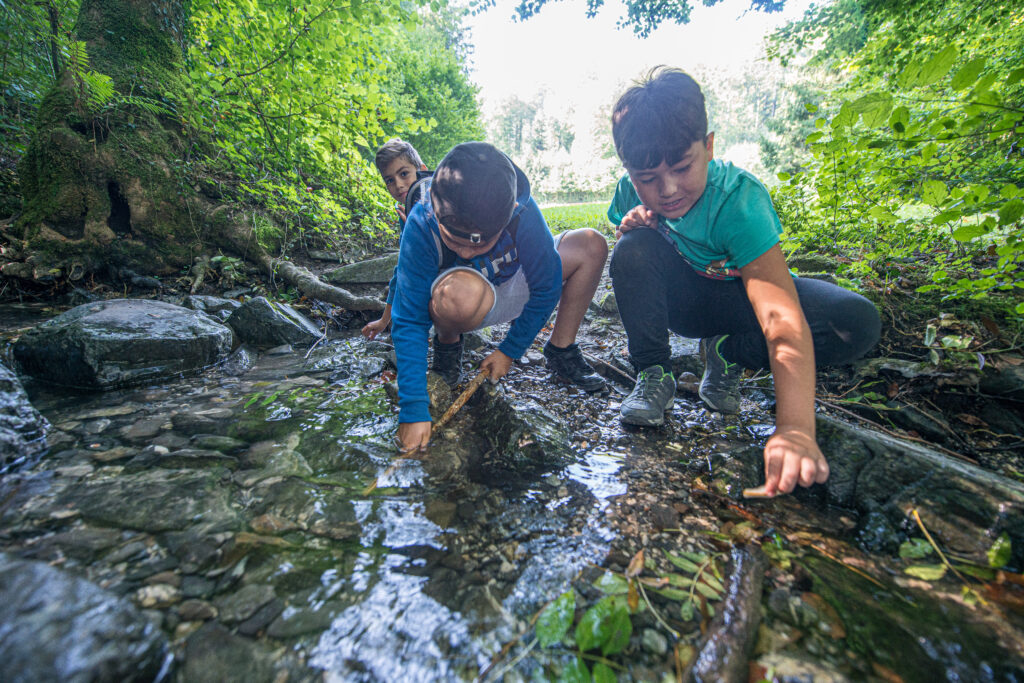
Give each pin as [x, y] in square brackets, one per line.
[474, 191]
[394, 149]
[659, 119]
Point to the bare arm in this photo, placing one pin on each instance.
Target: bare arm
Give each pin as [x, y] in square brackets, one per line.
[791, 454]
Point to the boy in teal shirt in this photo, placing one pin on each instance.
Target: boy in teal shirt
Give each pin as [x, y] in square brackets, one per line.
[709, 266]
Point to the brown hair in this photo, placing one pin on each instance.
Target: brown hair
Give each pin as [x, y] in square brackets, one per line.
[396, 148]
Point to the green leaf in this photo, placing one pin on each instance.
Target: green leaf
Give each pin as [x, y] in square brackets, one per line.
[1008, 191]
[930, 333]
[604, 674]
[966, 233]
[1015, 76]
[938, 66]
[686, 610]
[576, 672]
[999, 553]
[1011, 211]
[874, 108]
[927, 572]
[899, 119]
[810, 107]
[610, 583]
[554, 622]
[968, 73]
[983, 573]
[602, 625]
[934, 192]
[683, 563]
[917, 548]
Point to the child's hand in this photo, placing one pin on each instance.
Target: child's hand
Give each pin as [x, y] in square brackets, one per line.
[400, 210]
[638, 217]
[414, 436]
[790, 456]
[371, 330]
[496, 365]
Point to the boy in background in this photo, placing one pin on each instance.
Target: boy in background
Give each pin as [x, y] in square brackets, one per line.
[709, 266]
[476, 252]
[400, 166]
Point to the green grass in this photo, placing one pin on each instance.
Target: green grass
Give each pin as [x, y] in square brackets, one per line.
[573, 216]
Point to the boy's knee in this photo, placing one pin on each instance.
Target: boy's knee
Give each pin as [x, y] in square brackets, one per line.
[461, 298]
[594, 244]
[635, 251]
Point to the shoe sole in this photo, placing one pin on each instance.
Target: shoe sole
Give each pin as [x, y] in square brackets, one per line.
[564, 380]
[650, 422]
[711, 405]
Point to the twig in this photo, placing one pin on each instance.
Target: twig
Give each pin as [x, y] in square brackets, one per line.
[623, 376]
[460, 401]
[942, 556]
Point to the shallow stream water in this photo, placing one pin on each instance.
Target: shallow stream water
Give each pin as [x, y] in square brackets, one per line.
[240, 498]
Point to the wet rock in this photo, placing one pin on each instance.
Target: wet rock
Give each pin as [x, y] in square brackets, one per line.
[56, 627]
[122, 342]
[158, 595]
[159, 500]
[143, 430]
[375, 271]
[654, 642]
[258, 622]
[224, 444]
[962, 505]
[212, 305]
[794, 668]
[522, 434]
[239, 362]
[213, 654]
[243, 603]
[196, 610]
[297, 621]
[264, 324]
[346, 360]
[195, 458]
[685, 356]
[1004, 381]
[950, 644]
[22, 428]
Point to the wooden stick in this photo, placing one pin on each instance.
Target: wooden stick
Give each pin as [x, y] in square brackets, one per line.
[448, 414]
[460, 401]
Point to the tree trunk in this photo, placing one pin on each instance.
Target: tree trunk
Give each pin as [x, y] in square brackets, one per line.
[105, 187]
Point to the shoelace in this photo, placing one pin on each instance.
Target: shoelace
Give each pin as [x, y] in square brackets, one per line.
[725, 364]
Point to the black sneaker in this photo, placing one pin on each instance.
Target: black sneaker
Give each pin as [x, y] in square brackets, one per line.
[448, 361]
[653, 394]
[569, 365]
[720, 386]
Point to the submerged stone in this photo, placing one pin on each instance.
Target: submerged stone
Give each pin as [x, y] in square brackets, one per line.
[22, 428]
[523, 435]
[122, 342]
[56, 627]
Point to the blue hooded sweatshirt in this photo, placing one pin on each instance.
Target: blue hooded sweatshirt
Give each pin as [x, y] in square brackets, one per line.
[419, 263]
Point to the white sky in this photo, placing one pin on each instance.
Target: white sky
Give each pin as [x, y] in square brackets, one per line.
[584, 63]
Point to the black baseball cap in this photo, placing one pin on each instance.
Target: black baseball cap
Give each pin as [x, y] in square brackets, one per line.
[474, 191]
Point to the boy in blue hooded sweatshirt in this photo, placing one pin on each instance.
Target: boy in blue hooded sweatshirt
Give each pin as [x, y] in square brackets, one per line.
[477, 252]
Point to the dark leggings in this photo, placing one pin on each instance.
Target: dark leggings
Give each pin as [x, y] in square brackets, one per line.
[657, 291]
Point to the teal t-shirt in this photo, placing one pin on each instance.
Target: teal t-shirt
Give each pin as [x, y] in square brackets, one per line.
[731, 224]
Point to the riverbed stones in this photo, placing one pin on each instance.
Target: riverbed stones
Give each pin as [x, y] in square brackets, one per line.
[56, 627]
[22, 428]
[265, 324]
[122, 342]
[523, 435]
[376, 271]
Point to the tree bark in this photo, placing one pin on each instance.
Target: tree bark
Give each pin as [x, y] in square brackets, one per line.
[106, 188]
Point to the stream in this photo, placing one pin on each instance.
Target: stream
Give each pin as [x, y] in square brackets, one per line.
[237, 510]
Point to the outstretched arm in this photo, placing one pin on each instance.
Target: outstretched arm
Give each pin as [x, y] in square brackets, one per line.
[791, 454]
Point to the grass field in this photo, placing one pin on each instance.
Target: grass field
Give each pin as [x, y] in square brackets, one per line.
[572, 216]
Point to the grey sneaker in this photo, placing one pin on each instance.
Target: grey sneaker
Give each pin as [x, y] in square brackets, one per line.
[653, 394]
[720, 386]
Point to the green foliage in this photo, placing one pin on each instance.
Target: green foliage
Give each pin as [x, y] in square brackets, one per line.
[575, 216]
[435, 102]
[1000, 552]
[642, 16]
[554, 622]
[915, 158]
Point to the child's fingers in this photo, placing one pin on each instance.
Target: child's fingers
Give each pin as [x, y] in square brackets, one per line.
[808, 471]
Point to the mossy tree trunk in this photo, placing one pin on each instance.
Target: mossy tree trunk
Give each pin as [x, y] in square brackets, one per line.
[107, 190]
